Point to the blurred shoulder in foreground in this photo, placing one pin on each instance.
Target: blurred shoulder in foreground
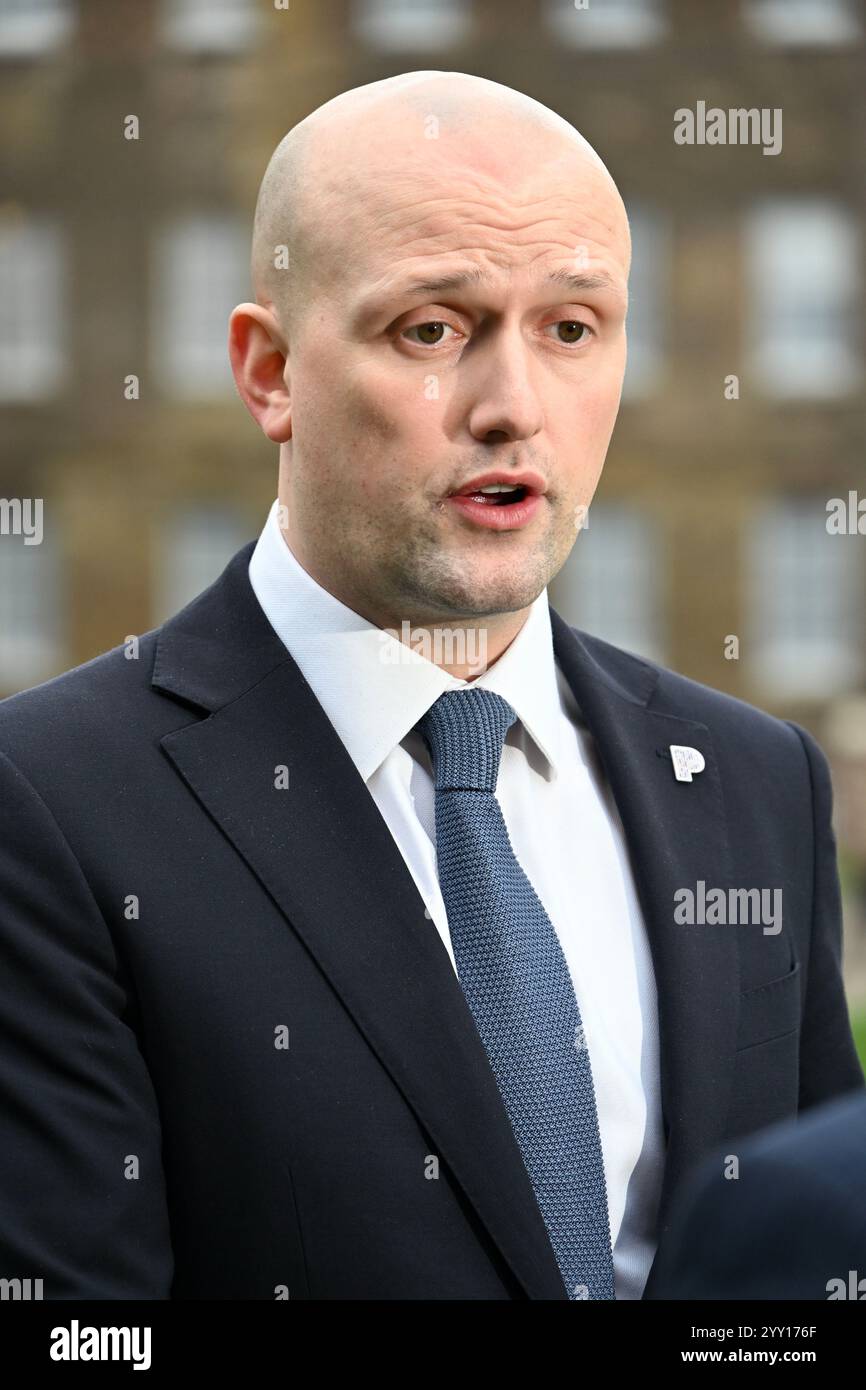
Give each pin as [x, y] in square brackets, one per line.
[791, 1225]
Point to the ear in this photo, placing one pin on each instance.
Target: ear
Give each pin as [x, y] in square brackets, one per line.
[259, 356]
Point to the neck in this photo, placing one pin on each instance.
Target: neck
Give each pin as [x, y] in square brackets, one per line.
[464, 647]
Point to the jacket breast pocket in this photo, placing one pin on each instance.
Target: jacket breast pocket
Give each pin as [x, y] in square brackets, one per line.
[769, 1011]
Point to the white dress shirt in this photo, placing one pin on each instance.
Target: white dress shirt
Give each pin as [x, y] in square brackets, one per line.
[564, 828]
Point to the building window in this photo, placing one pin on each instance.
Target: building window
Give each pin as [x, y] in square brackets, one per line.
[813, 22]
[607, 23]
[201, 271]
[210, 26]
[804, 298]
[29, 28]
[611, 583]
[32, 615]
[32, 328]
[804, 595]
[192, 547]
[649, 296]
[420, 26]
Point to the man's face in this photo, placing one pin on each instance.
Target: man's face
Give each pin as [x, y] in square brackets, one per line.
[401, 397]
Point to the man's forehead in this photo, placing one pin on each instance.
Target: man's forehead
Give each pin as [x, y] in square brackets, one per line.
[446, 234]
[443, 238]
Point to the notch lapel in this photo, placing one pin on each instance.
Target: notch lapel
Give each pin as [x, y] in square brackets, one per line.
[325, 855]
[676, 834]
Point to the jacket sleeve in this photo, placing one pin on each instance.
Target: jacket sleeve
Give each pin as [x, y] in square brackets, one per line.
[82, 1190]
[829, 1064]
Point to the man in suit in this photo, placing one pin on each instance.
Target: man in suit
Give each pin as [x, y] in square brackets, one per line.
[339, 915]
[782, 1217]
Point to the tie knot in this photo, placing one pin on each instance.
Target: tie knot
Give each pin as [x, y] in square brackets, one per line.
[465, 731]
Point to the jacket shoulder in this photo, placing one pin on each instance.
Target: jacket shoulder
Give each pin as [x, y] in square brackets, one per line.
[680, 696]
[80, 704]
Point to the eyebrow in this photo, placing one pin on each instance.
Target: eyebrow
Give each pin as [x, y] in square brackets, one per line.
[428, 289]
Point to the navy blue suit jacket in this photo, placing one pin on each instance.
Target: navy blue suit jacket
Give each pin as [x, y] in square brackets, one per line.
[171, 915]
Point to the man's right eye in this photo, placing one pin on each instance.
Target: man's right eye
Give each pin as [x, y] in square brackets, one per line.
[433, 326]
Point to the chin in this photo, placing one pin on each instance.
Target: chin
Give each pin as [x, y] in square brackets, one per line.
[506, 596]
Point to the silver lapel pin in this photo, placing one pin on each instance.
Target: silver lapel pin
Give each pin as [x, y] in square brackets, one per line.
[686, 761]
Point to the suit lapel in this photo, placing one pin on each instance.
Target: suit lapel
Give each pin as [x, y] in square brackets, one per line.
[326, 857]
[676, 834]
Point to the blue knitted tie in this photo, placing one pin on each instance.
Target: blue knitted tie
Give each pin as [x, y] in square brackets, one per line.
[515, 978]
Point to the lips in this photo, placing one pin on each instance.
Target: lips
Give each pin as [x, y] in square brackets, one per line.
[522, 485]
[501, 511]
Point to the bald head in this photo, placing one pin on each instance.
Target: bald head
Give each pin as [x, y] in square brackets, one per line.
[328, 181]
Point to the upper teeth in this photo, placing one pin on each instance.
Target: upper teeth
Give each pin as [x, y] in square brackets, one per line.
[500, 487]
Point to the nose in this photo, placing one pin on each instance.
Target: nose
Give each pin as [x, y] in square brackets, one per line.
[506, 404]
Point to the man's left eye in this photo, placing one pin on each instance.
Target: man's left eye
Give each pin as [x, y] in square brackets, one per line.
[572, 331]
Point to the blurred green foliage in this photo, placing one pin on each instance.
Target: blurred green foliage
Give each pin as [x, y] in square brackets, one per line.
[858, 1027]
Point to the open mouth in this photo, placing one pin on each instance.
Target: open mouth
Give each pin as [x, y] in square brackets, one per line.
[496, 496]
[499, 505]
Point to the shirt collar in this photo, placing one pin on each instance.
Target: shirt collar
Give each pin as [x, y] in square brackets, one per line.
[373, 687]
